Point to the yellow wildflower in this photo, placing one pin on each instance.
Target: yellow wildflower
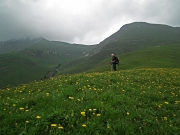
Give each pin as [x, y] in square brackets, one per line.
[60, 127]
[166, 103]
[127, 113]
[71, 98]
[53, 125]
[176, 102]
[83, 125]
[72, 113]
[83, 113]
[165, 118]
[27, 121]
[98, 114]
[38, 117]
[21, 108]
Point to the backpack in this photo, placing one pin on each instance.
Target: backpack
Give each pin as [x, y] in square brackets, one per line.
[117, 60]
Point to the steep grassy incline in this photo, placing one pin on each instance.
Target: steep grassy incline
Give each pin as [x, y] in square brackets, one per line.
[146, 33]
[15, 70]
[51, 56]
[15, 45]
[161, 56]
[52, 53]
[130, 38]
[164, 56]
[139, 36]
[37, 60]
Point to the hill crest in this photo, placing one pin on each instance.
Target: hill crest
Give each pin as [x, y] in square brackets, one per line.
[74, 58]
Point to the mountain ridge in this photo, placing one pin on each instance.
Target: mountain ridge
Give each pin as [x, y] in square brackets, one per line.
[131, 40]
[76, 58]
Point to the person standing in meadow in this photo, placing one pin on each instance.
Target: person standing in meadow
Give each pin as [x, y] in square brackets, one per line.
[114, 61]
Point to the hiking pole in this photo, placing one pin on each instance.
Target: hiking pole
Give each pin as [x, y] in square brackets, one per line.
[111, 66]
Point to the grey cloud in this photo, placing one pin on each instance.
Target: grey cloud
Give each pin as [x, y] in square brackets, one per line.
[82, 21]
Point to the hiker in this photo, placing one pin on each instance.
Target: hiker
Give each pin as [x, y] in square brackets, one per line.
[114, 61]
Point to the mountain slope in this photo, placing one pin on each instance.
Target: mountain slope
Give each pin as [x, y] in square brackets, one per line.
[16, 45]
[131, 37]
[138, 36]
[166, 56]
[146, 33]
[16, 70]
[38, 60]
[51, 56]
[157, 57]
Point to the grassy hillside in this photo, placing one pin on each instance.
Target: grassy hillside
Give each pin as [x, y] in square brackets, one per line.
[52, 53]
[145, 33]
[143, 101]
[51, 56]
[16, 45]
[138, 36]
[15, 70]
[131, 38]
[33, 62]
[161, 56]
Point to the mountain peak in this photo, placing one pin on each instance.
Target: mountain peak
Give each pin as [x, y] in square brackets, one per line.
[143, 30]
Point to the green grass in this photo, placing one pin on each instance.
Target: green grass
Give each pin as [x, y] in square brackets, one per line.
[33, 62]
[141, 101]
[134, 43]
[51, 53]
[162, 56]
[157, 57]
[17, 70]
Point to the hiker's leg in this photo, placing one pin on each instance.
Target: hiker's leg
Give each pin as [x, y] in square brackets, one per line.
[114, 66]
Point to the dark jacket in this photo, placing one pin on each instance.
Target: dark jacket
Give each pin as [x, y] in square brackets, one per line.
[114, 60]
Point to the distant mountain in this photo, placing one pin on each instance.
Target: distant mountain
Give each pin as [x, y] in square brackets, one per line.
[142, 31]
[129, 38]
[25, 60]
[140, 35]
[16, 45]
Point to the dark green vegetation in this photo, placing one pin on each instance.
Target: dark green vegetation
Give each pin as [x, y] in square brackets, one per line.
[16, 70]
[137, 45]
[14, 45]
[138, 101]
[157, 57]
[141, 98]
[36, 61]
[146, 40]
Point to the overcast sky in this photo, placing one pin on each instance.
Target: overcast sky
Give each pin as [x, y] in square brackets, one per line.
[80, 21]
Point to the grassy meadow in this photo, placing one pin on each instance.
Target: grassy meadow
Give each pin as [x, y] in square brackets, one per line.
[166, 56]
[138, 101]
